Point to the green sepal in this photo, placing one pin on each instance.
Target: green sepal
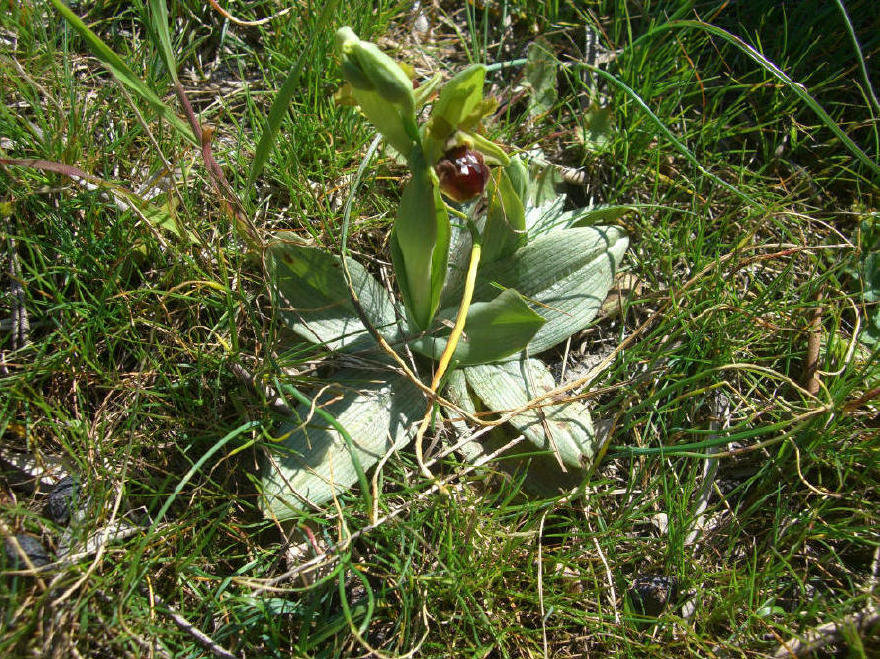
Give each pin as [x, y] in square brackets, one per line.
[505, 228]
[457, 101]
[488, 148]
[420, 244]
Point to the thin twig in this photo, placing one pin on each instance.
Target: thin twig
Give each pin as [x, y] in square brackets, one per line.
[272, 399]
[20, 323]
[810, 377]
[187, 627]
[828, 633]
[262, 21]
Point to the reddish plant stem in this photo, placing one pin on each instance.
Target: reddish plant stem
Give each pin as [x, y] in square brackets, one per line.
[231, 202]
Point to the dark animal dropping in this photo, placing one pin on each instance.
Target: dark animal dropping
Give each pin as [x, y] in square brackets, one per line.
[650, 594]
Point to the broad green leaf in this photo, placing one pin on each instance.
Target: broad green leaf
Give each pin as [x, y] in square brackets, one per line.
[456, 391]
[493, 330]
[505, 228]
[595, 129]
[565, 274]
[565, 444]
[544, 182]
[541, 76]
[552, 216]
[420, 245]
[314, 301]
[282, 99]
[566, 429]
[312, 462]
[123, 74]
[519, 178]
[583, 217]
[544, 217]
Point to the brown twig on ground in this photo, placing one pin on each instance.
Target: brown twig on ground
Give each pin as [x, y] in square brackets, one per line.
[225, 14]
[810, 377]
[187, 627]
[250, 382]
[829, 632]
[864, 399]
[20, 323]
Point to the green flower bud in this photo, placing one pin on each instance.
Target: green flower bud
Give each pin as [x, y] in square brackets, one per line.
[345, 35]
[353, 74]
[365, 66]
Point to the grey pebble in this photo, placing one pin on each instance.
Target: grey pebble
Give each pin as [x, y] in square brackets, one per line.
[34, 549]
[63, 499]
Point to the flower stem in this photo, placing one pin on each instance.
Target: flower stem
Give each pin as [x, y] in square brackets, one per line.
[446, 357]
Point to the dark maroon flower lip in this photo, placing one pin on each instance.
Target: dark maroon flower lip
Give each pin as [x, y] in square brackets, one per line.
[462, 172]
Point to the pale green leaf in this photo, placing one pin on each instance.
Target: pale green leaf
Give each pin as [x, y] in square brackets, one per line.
[420, 245]
[541, 75]
[493, 330]
[519, 178]
[545, 182]
[565, 275]
[505, 226]
[562, 445]
[552, 216]
[314, 301]
[595, 129]
[312, 462]
[565, 429]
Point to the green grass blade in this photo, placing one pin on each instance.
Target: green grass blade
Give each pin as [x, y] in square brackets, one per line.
[869, 88]
[159, 18]
[122, 73]
[678, 144]
[160, 516]
[798, 89]
[282, 101]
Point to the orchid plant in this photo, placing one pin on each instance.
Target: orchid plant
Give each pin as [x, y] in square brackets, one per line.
[491, 271]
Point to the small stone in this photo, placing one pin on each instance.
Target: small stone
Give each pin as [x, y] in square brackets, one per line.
[34, 549]
[62, 499]
[651, 594]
